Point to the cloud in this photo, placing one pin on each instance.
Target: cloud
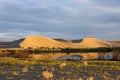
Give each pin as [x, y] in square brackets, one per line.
[14, 34]
[62, 18]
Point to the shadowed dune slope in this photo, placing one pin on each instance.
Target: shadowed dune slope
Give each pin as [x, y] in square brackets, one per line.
[39, 41]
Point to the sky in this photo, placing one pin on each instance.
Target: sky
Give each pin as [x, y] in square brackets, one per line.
[68, 19]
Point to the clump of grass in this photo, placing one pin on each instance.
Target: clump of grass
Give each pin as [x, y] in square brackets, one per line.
[14, 73]
[90, 78]
[47, 74]
[25, 69]
[62, 65]
[80, 79]
[31, 67]
[53, 69]
[85, 63]
[2, 72]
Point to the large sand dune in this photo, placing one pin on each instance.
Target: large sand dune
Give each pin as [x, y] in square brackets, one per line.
[93, 43]
[39, 41]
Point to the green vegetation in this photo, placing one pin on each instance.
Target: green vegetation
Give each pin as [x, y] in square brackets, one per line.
[14, 53]
[29, 69]
[21, 67]
[24, 53]
[64, 50]
[99, 49]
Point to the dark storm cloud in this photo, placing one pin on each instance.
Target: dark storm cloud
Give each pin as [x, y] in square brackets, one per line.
[62, 18]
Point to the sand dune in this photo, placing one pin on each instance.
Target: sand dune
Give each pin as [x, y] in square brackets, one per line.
[93, 43]
[40, 41]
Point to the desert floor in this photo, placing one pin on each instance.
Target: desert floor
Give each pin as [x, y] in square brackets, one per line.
[28, 69]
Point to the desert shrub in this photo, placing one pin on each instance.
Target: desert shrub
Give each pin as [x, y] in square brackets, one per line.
[117, 58]
[22, 54]
[62, 65]
[25, 69]
[85, 63]
[47, 74]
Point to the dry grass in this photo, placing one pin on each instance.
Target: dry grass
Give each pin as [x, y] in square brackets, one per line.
[47, 56]
[47, 74]
[10, 69]
[62, 65]
[14, 73]
[25, 69]
[90, 78]
[85, 63]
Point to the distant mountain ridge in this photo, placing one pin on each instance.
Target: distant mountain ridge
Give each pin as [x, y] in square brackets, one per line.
[40, 41]
[13, 44]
